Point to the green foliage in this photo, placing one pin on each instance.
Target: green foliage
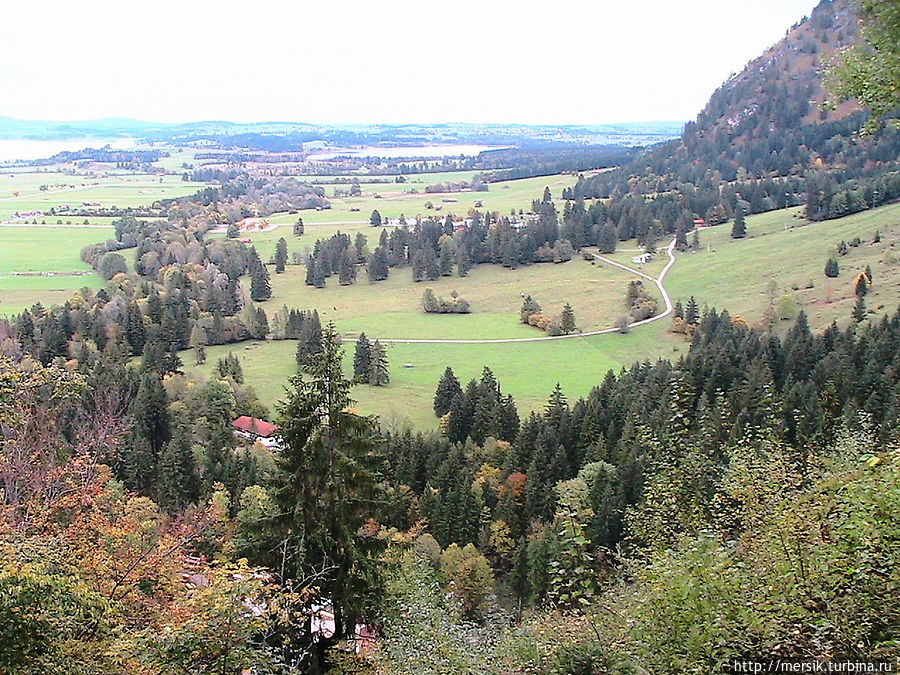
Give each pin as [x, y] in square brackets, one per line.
[831, 268]
[435, 305]
[870, 72]
[328, 486]
[469, 577]
[281, 255]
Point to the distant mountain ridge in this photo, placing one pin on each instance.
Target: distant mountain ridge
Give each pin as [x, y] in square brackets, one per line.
[291, 135]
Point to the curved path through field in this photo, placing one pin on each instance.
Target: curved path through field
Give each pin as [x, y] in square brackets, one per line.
[657, 280]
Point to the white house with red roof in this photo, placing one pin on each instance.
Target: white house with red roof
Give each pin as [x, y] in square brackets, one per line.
[256, 430]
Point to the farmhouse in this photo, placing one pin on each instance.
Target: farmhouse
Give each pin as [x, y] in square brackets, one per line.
[258, 431]
[642, 259]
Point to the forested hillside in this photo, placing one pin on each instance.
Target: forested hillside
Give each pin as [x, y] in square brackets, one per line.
[765, 140]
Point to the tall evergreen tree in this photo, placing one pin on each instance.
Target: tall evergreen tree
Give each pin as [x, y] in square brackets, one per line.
[328, 488]
[379, 375]
[362, 358]
[260, 285]
[739, 226]
[567, 320]
[448, 390]
[281, 255]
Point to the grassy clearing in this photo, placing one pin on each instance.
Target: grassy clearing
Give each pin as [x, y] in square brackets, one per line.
[20, 192]
[397, 199]
[783, 255]
[528, 371]
[31, 251]
[392, 308]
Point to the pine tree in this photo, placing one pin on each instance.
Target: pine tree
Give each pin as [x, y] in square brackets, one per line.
[362, 359]
[448, 390]
[691, 312]
[861, 286]
[260, 286]
[681, 242]
[299, 228]
[309, 344]
[134, 328]
[176, 482]
[695, 239]
[568, 320]
[859, 309]
[151, 430]
[379, 374]
[327, 489]
[346, 269]
[375, 218]
[607, 238]
[832, 269]
[739, 226]
[281, 255]
[378, 265]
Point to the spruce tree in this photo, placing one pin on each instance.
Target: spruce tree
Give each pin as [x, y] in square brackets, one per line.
[567, 320]
[281, 255]
[362, 358]
[832, 269]
[298, 228]
[375, 218]
[739, 226]
[260, 286]
[378, 265]
[859, 309]
[448, 390]
[327, 489]
[607, 238]
[379, 374]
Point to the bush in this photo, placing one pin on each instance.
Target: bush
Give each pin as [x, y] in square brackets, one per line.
[433, 304]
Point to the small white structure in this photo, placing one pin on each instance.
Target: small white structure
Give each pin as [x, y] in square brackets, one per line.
[642, 259]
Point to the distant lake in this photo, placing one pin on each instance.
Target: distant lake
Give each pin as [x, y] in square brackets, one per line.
[19, 148]
[413, 151]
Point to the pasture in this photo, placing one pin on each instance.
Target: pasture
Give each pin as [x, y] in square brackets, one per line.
[33, 253]
[784, 255]
[527, 370]
[21, 192]
[392, 308]
[409, 199]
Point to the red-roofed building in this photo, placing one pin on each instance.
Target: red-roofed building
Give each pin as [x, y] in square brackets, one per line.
[256, 430]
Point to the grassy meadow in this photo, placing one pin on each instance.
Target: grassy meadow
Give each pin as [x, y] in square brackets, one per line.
[527, 370]
[396, 199]
[783, 255]
[32, 252]
[392, 308]
[20, 192]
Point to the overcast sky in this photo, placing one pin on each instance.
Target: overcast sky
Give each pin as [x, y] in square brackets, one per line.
[379, 61]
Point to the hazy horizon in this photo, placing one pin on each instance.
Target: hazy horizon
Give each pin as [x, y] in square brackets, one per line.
[587, 64]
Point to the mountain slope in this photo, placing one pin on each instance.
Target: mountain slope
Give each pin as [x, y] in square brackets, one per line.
[764, 132]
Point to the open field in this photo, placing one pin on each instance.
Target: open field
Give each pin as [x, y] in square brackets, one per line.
[527, 370]
[396, 199]
[739, 274]
[36, 250]
[20, 192]
[392, 308]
